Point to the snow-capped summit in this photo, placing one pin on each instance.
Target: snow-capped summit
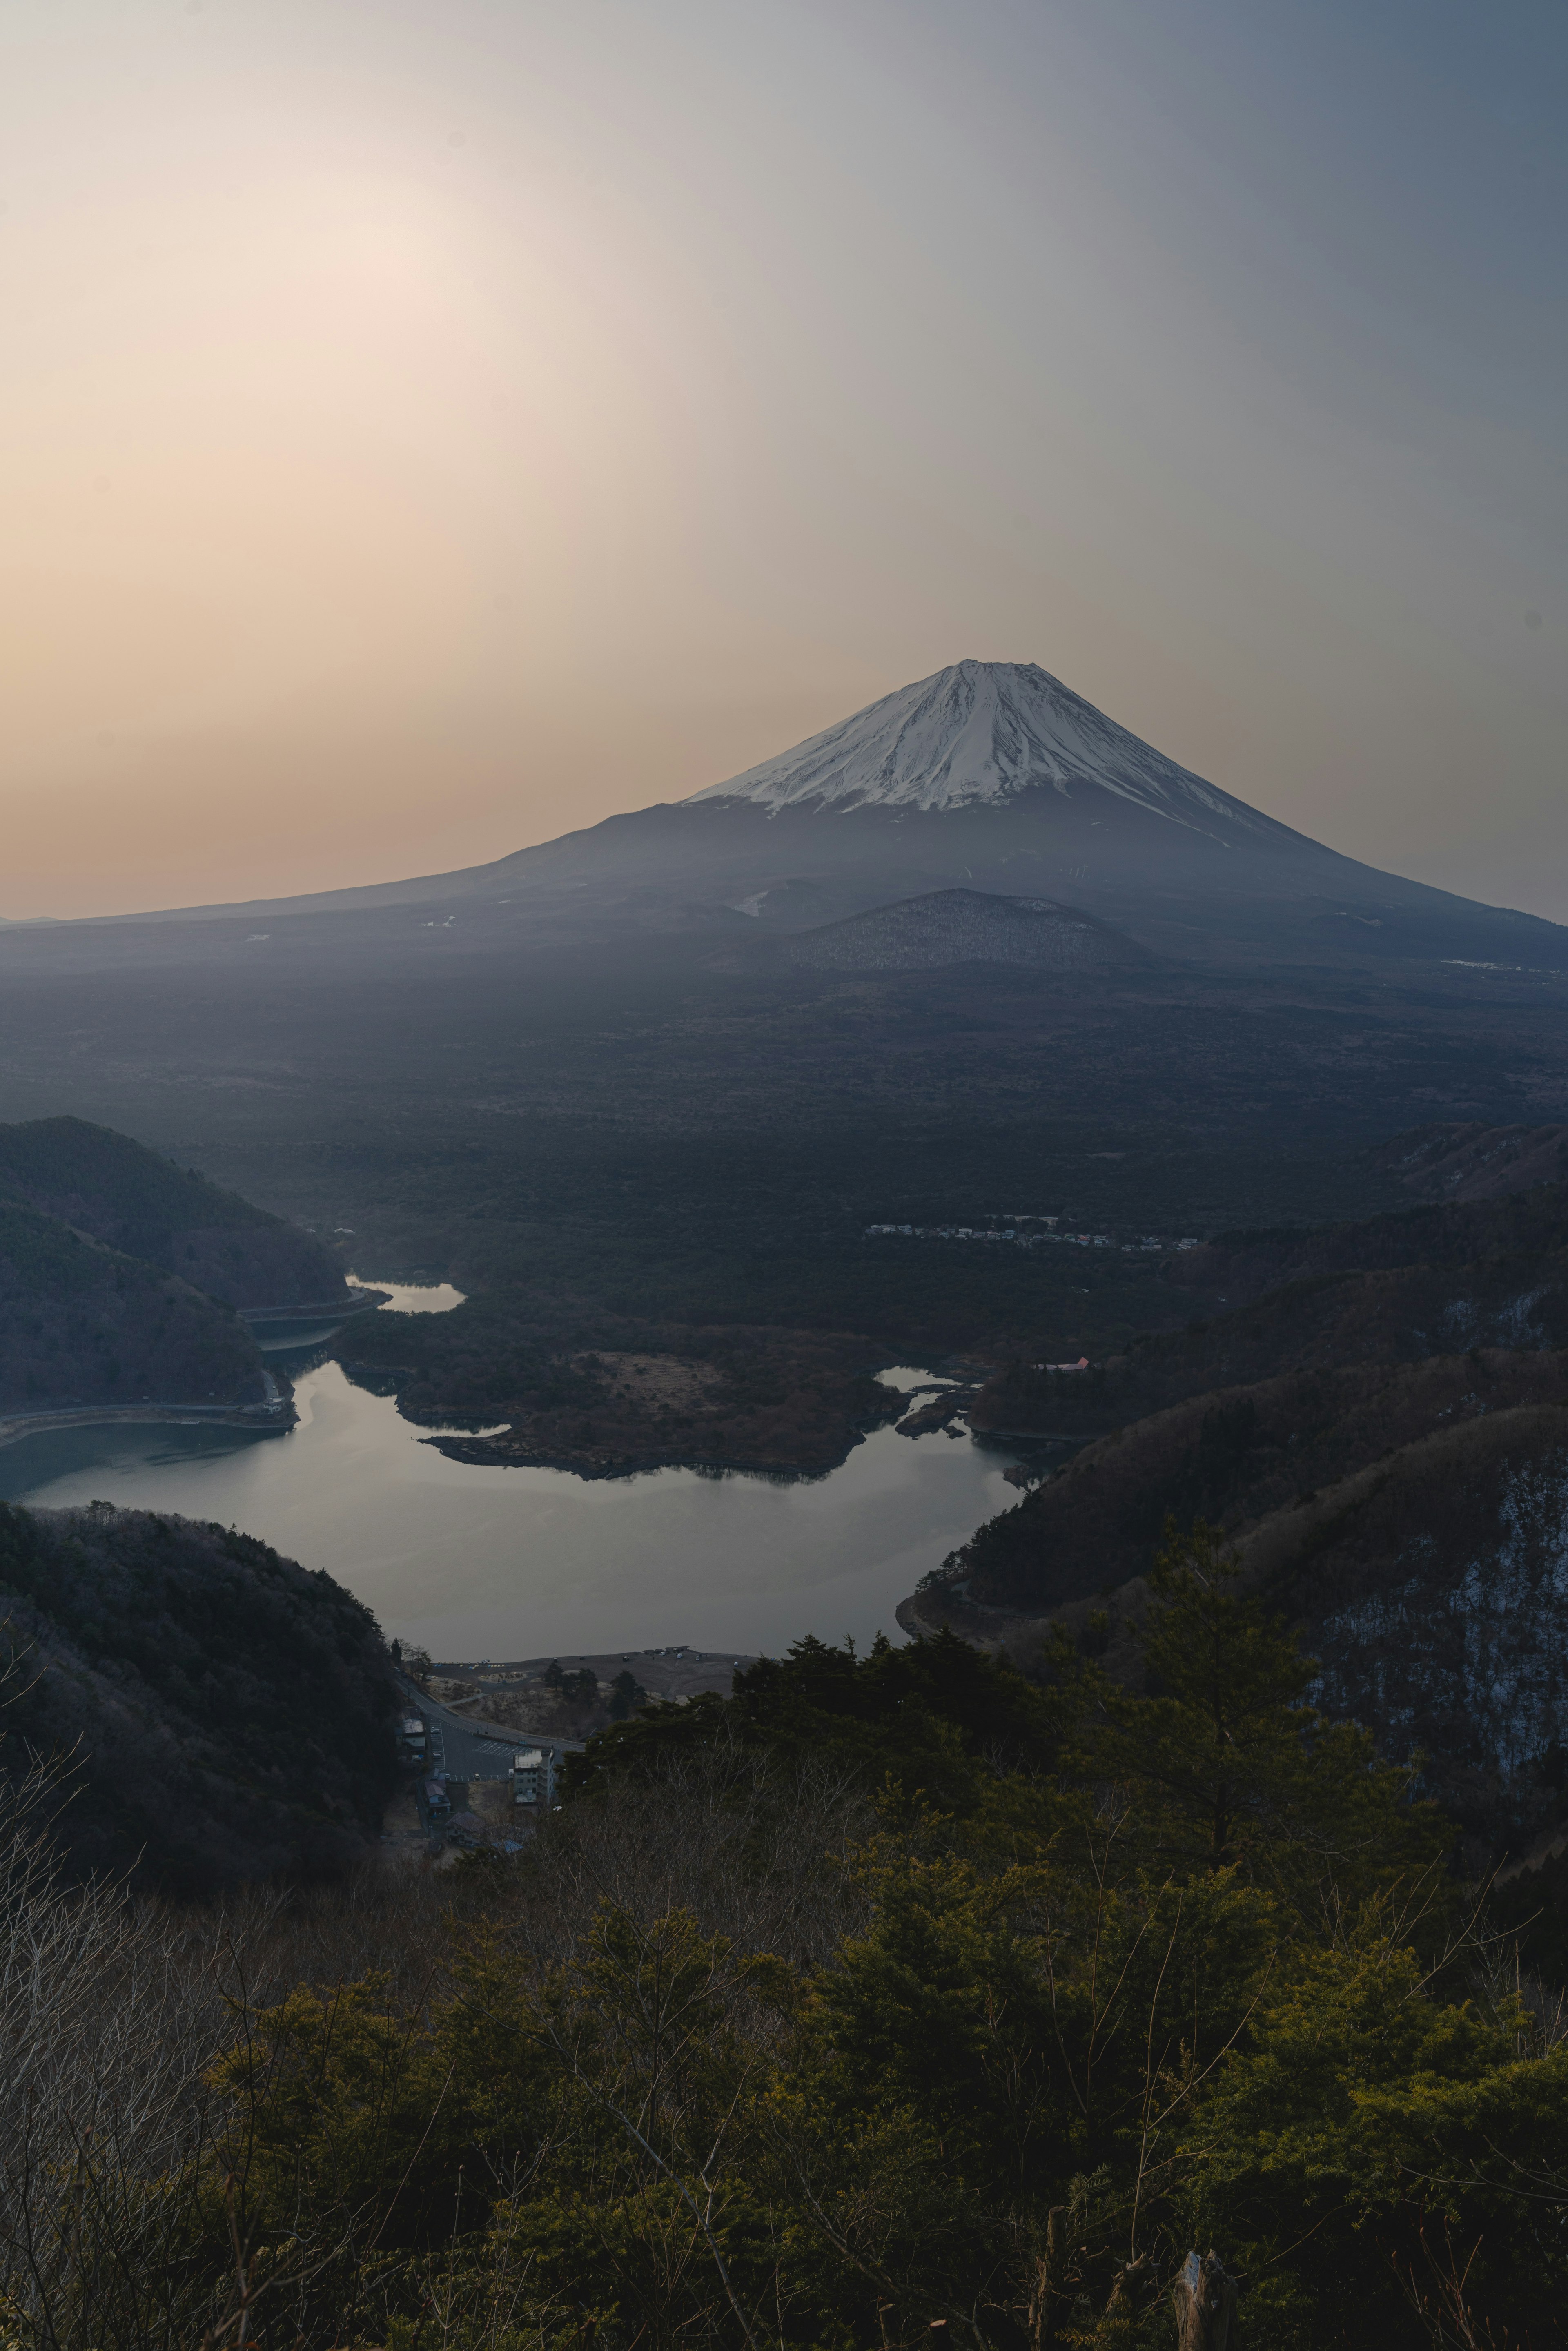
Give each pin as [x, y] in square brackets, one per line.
[991, 780]
[977, 732]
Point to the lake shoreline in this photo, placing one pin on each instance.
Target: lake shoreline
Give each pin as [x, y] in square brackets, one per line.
[466, 1561]
[259, 1420]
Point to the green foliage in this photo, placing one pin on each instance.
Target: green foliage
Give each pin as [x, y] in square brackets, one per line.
[1124, 1971]
[626, 1695]
[938, 1717]
[1224, 1763]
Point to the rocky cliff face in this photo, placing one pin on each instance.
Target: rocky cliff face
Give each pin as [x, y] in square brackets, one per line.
[1433, 1589]
[1382, 1436]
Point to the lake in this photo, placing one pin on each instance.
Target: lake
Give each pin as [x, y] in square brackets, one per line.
[512, 1563]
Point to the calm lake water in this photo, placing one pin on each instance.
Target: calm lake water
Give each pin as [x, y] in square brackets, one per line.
[504, 1563]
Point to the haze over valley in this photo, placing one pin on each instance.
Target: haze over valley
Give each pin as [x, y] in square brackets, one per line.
[711, 1113]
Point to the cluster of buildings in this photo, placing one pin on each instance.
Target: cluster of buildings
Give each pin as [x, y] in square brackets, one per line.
[532, 1782]
[531, 1777]
[1026, 1239]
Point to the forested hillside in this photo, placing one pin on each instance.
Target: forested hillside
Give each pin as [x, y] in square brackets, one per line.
[1231, 1456]
[81, 1325]
[1468, 1160]
[1381, 1431]
[119, 1275]
[115, 1190]
[227, 1713]
[1391, 1289]
[896, 1996]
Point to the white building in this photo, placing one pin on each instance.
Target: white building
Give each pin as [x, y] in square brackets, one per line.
[533, 1777]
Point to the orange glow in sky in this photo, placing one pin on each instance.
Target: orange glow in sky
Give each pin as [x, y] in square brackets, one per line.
[430, 429]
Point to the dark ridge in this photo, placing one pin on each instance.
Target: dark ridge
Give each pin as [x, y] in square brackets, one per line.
[230, 1713]
[947, 926]
[115, 1190]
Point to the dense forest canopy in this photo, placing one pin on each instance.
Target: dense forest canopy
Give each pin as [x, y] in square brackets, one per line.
[82, 1325]
[121, 1275]
[895, 1993]
[228, 1712]
[116, 1190]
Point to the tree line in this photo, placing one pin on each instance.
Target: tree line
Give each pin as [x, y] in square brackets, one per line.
[896, 1999]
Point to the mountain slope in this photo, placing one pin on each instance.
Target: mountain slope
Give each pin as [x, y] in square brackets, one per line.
[121, 1275]
[1232, 1456]
[81, 1325]
[948, 927]
[987, 731]
[1466, 1160]
[993, 776]
[1390, 1290]
[1379, 1425]
[231, 1711]
[1427, 1579]
[117, 1191]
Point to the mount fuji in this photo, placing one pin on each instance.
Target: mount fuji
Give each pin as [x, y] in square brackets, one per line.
[981, 733]
[988, 777]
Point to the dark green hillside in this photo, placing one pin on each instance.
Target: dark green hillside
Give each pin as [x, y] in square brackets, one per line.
[1382, 1433]
[896, 1995]
[231, 1711]
[82, 1325]
[1426, 1581]
[929, 1714]
[1521, 1224]
[1394, 1290]
[1431, 1586]
[118, 1191]
[1230, 1457]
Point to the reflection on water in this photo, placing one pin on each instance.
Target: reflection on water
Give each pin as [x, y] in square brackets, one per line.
[412, 1297]
[280, 1336]
[519, 1562]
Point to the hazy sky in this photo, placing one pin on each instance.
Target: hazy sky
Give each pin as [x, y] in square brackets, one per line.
[427, 425]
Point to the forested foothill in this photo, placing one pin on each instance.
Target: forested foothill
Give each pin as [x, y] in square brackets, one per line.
[114, 1190]
[1377, 1420]
[121, 1275]
[224, 1715]
[1396, 1289]
[83, 1325]
[898, 1995]
[605, 1395]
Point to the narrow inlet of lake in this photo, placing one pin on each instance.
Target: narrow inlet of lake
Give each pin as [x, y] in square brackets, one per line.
[506, 1563]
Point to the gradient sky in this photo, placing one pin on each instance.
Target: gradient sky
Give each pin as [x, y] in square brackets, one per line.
[429, 425]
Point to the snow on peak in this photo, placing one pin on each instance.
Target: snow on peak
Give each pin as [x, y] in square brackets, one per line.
[979, 731]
